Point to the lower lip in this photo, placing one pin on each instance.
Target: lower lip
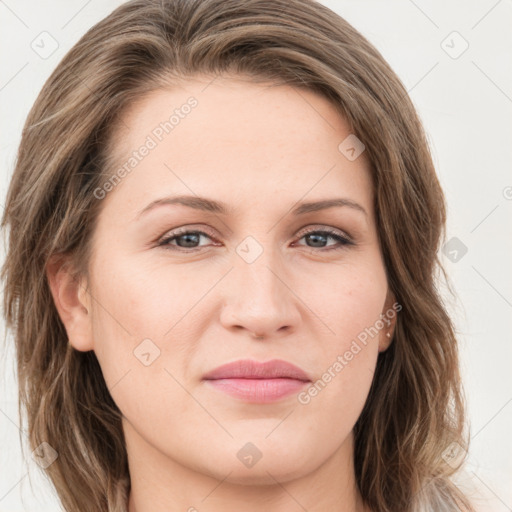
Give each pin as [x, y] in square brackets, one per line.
[259, 390]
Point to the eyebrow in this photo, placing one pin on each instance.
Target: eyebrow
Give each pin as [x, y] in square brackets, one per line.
[211, 206]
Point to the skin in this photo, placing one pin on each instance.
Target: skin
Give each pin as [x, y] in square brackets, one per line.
[261, 150]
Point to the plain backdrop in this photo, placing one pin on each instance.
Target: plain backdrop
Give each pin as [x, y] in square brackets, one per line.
[455, 59]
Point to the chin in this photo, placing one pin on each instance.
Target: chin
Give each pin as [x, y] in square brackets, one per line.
[268, 464]
[261, 474]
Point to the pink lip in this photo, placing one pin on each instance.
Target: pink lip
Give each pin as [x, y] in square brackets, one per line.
[258, 382]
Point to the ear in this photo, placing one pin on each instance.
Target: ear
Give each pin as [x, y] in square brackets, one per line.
[388, 317]
[72, 301]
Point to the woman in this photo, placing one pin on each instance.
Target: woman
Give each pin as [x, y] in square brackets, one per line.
[301, 358]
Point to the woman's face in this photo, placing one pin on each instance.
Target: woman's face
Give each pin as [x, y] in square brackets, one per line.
[166, 309]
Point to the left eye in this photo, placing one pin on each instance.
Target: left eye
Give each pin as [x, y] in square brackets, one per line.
[318, 237]
[190, 239]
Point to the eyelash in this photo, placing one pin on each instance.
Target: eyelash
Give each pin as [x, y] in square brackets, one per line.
[329, 233]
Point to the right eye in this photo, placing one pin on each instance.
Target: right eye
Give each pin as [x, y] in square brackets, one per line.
[185, 239]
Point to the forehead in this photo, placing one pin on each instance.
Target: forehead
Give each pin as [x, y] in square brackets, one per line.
[229, 137]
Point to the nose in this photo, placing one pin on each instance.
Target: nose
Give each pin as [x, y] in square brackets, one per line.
[259, 299]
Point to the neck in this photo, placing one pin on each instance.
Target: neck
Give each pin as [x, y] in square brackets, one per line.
[159, 483]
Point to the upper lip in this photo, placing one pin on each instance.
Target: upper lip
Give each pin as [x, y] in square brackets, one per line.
[250, 369]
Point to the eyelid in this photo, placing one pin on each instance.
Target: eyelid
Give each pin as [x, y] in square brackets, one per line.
[183, 230]
[324, 228]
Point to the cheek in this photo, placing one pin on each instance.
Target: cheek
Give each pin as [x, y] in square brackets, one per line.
[134, 303]
[127, 318]
[348, 298]
[146, 330]
[349, 302]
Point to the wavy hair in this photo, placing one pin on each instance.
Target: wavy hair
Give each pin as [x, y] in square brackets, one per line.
[415, 410]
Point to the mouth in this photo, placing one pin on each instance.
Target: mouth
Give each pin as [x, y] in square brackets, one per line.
[255, 382]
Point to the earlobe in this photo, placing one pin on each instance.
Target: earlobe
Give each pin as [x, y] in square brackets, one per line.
[388, 318]
[72, 302]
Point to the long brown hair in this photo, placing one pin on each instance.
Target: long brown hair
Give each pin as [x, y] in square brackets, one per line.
[415, 409]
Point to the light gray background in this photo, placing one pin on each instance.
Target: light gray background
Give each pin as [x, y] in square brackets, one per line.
[465, 102]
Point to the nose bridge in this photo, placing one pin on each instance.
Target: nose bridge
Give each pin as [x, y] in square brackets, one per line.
[257, 269]
[257, 297]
